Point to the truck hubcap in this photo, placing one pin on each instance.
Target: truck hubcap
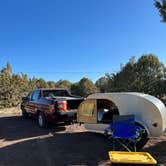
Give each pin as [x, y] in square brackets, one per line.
[40, 120]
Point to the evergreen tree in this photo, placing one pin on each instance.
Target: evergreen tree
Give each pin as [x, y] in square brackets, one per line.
[161, 6]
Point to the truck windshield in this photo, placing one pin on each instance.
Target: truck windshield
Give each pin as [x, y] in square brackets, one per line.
[55, 93]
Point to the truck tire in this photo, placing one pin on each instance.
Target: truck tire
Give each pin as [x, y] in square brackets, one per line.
[42, 121]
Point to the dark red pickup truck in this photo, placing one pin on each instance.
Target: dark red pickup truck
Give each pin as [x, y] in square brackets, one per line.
[50, 105]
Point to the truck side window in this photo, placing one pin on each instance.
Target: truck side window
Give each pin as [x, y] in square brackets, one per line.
[29, 96]
[35, 95]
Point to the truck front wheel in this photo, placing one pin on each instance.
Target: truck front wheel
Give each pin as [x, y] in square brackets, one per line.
[42, 121]
[25, 115]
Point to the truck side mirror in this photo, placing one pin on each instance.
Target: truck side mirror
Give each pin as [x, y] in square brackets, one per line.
[25, 98]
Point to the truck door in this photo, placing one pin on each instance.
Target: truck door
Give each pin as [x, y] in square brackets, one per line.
[87, 111]
[33, 102]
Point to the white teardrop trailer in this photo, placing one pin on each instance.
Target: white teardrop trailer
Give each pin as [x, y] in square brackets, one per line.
[97, 111]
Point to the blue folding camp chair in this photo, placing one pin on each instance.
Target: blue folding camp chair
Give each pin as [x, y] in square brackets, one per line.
[124, 132]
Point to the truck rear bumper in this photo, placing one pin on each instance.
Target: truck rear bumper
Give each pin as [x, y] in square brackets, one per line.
[68, 113]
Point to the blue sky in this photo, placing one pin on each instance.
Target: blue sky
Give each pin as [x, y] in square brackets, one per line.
[70, 39]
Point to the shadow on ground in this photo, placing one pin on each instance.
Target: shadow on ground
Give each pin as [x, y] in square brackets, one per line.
[15, 127]
[36, 146]
[59, 148]
[158, 151]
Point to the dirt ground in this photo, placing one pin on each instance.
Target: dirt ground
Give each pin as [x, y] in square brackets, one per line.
[23, 143]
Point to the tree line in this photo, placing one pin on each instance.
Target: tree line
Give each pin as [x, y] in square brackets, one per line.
[146, 75]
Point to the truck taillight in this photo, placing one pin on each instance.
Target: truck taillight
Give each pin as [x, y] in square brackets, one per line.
[62, 105]
[53, 110]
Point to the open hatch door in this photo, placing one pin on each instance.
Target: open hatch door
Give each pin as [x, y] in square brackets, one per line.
[87, 111]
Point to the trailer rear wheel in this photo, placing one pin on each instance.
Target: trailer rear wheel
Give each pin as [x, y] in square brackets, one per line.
[143, 138]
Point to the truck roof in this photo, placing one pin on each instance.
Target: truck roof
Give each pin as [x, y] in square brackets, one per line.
[52, 89]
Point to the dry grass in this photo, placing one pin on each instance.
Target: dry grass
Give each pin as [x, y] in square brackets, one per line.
[10, 111]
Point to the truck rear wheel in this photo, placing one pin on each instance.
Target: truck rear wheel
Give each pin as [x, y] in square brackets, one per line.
[42, 121]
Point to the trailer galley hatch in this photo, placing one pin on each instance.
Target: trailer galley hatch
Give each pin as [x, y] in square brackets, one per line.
[96, 111]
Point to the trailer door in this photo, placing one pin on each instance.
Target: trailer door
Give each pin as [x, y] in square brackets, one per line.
[87, 111]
